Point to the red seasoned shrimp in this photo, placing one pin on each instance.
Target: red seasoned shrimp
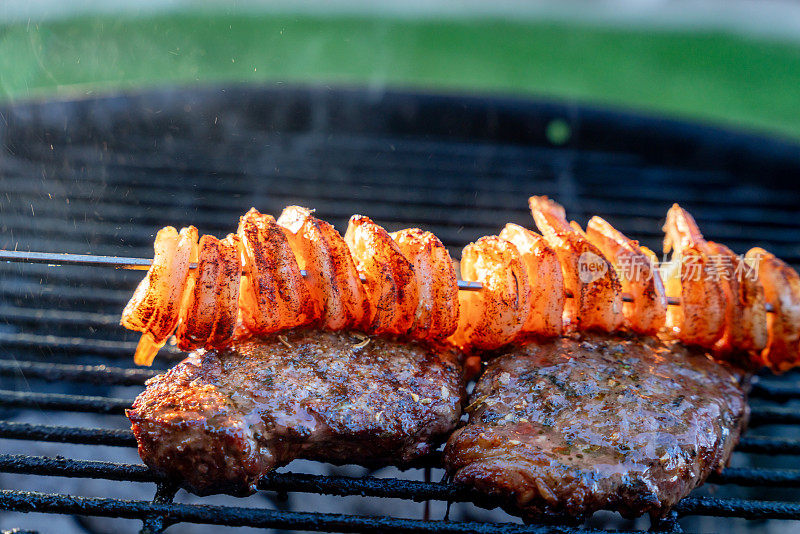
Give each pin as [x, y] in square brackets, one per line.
[746, 316]
[209, 318]
[495, 315]
[436, 316]
[545, 279]
[390, 282]
[700, 319]
[337, 292]
[637, 274]
[274, 295]
[782, 291]
[156, 304]
[588, 275]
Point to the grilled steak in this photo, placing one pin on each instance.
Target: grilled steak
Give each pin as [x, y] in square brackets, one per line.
[567, 427]
[219, 420]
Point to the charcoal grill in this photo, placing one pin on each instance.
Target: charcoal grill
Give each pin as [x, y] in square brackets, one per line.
[100, 175]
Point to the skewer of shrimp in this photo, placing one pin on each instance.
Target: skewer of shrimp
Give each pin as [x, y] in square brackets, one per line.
[256, 275]
[411, 288]
[720, 310]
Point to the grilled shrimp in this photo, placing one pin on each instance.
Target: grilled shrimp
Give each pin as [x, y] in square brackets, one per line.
[495, 315]
[337, 292]
[700, 319]
[156, 304]
[390, 282]
[199, 309]
[437, 304]
[746, 315]
[782, 290]
[274, 295]
[230, 257]
[545, 279]
[637, 274]
[588, 275]
[209, 318]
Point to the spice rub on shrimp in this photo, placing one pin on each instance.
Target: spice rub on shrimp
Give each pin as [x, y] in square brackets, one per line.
[390, 282]
[745, 312]
[436, 316]
[700, 319]
[637, 273]
[410, 289]
[274, 295]
[209, 317]
[495, 315]
[156, 304]
[782, 290]
[597, 295]
[545, 279]
[337, 292]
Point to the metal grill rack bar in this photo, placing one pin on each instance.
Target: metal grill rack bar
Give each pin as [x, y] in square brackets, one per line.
[455, 165]
[99, 374]
[336, 485]
[66, 434]
[252, 517]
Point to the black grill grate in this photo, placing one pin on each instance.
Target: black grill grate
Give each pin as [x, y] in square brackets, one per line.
[100, 175]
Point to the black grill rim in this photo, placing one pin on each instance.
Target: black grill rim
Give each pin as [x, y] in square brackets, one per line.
[512, 120]
[456, 118]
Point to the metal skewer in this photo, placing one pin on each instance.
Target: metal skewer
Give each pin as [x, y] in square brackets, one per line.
[142, 264]
[50, 258]
[121, 262]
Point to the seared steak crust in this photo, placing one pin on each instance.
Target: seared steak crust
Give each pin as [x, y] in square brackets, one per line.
[567, 427]
[218, 420]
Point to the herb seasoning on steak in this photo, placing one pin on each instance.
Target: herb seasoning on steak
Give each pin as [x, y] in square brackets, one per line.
[220, 419]
[564, 428]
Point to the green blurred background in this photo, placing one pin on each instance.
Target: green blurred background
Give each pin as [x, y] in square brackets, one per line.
[718, 76]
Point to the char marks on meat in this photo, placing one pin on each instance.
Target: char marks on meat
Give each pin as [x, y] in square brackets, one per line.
[567, 427]
[220, 419]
